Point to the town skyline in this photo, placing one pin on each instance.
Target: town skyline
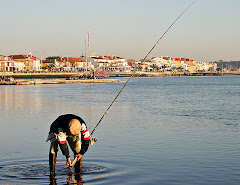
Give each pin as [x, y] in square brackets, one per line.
[206, 32]
[30, 63]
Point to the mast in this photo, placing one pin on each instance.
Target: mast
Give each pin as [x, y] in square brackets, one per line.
[85, 58]
[89, 55]
[4, 67]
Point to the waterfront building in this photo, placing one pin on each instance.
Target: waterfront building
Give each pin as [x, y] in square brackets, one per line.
[76, 64]
[52, 64]
[64, 64]
[3, 62]
[111, 64]
[144, 66]
[164, 63]
[134, 64]
[182, 64]
[18, 66]
[25, 62]
[9, 65]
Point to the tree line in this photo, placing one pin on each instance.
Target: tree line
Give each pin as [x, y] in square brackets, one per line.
[230, 65]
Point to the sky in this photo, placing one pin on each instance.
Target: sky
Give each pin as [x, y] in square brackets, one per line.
[208, 31]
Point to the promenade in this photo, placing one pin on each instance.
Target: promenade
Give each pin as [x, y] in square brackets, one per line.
[30, 75]
[100, 77]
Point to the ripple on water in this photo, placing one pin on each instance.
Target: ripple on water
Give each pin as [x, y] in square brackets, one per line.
[37, 172]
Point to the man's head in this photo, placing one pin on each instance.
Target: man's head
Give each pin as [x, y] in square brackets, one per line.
[74, 127]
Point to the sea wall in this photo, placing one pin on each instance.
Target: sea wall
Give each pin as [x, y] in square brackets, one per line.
[114, 74]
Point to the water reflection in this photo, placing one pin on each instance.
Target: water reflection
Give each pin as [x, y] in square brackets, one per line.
[71, 179]
[168, 130]
[19, 100]
[37, 172]
[15, 99]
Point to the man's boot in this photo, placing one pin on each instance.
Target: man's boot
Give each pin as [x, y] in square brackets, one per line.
[78, 178]
[52, 162]
[78, 166]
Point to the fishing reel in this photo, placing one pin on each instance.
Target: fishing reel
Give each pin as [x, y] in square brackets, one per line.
[93, 140]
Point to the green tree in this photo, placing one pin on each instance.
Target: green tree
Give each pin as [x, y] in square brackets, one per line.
[50, 67]
[155, 67]
[180, 68]
[219, 69]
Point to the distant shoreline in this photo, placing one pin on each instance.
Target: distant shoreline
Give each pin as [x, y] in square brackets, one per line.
[56, 81]
[99, 77]
[37, 75]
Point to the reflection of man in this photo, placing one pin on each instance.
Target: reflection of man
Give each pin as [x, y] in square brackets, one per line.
[76, 179]
[68, 128]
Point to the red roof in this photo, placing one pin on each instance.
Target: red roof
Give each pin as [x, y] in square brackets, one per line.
[22, 57]
[18, 57]
[166, 58]
[74, 59]
[49, 61]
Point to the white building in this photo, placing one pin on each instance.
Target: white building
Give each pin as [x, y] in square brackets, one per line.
[110, 64]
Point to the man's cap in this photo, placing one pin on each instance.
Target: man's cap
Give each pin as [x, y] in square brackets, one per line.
[74, 126]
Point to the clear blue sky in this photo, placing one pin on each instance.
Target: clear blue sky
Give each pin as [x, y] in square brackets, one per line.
[208, 31]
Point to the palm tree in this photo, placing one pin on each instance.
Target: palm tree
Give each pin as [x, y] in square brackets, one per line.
[139, 68]
[50, 67]
[153, 66]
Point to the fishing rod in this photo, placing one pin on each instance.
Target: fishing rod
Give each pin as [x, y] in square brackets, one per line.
[134, 71]
[95, 139]
[167, 31]
[72, 165]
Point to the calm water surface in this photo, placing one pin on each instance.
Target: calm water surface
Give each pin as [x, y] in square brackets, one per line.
[174, 130]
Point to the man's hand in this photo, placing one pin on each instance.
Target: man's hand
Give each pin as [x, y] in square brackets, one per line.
[68, 162]
[79, 156]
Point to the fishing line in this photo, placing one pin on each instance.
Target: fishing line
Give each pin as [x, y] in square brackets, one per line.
[134, 71]
[93, 140]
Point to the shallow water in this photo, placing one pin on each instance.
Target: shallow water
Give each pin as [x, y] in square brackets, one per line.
[174, 130]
